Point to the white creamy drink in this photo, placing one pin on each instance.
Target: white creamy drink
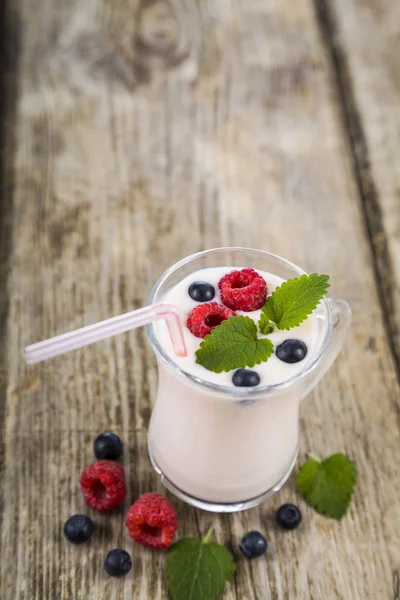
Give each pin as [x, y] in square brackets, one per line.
[220, 448]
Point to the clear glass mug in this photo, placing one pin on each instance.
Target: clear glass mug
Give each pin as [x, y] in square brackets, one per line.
[226, 449]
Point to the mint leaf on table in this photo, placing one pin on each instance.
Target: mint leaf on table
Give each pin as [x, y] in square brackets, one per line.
[328, 484]
[292, 302]
[233, 345]
[265, 325]
[198, 569]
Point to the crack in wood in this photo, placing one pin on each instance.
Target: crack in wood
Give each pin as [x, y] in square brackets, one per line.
[9, 54]
[396, 585]
[369, 198]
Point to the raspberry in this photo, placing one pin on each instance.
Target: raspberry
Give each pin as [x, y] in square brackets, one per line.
[152, 521]
[243, 290]
[103, 485]
[205, 317]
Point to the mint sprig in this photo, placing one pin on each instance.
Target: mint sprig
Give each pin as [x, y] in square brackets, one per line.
[292, 302]
[198, 569]
[328, 484]
[265, 325]
[233, 345]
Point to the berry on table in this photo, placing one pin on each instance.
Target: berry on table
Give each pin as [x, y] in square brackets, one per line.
[201, 291]
[245, 378]
[78, 529]
[152, 521]
[103, 485]
[107, 446]
[253, 544]
[288, 516]
[243, 290]
[205, 317]
[291, 351]
[118, 563]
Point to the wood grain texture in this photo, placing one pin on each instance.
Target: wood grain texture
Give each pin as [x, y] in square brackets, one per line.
[363, 38]
[146, 131]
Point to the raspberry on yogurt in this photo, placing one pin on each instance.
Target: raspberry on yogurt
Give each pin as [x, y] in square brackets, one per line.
[243, 290]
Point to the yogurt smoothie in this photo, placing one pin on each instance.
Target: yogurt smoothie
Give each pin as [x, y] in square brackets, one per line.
[220, 448]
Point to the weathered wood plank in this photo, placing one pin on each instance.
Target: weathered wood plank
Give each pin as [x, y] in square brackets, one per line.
[146, 132]
[365, 42]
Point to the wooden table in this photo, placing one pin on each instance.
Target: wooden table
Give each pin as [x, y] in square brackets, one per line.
[135, 133]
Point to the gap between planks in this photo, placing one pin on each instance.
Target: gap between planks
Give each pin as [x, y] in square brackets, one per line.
[9, 63]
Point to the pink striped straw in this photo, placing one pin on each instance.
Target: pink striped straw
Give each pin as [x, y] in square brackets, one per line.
[108, 328]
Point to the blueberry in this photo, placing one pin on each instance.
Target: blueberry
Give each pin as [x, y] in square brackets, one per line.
[253, 544]
[118, 563]
[288, 516]
[245, 378]
[291, 351]
[78, 529]
[107, 446]
[201, 291]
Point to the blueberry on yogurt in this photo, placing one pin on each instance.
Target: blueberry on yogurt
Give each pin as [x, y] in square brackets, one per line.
[245, 378]
[201, 291]
[291, 351]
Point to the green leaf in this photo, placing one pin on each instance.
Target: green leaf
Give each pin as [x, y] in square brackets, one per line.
[198, 569]
[233, 345]
[329, 484]
[292, 302]
[265, 325]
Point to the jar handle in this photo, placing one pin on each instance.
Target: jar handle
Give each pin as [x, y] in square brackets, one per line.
[341, 319]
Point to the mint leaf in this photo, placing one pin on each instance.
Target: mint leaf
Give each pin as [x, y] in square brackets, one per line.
[233, 345]
[328, 485]
[265, 325]
[198, 569]
[292, 302]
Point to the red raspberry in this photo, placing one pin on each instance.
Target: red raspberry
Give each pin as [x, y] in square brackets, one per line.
[103, 485]
[152, 521]
[243, 290]
[205, 317]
